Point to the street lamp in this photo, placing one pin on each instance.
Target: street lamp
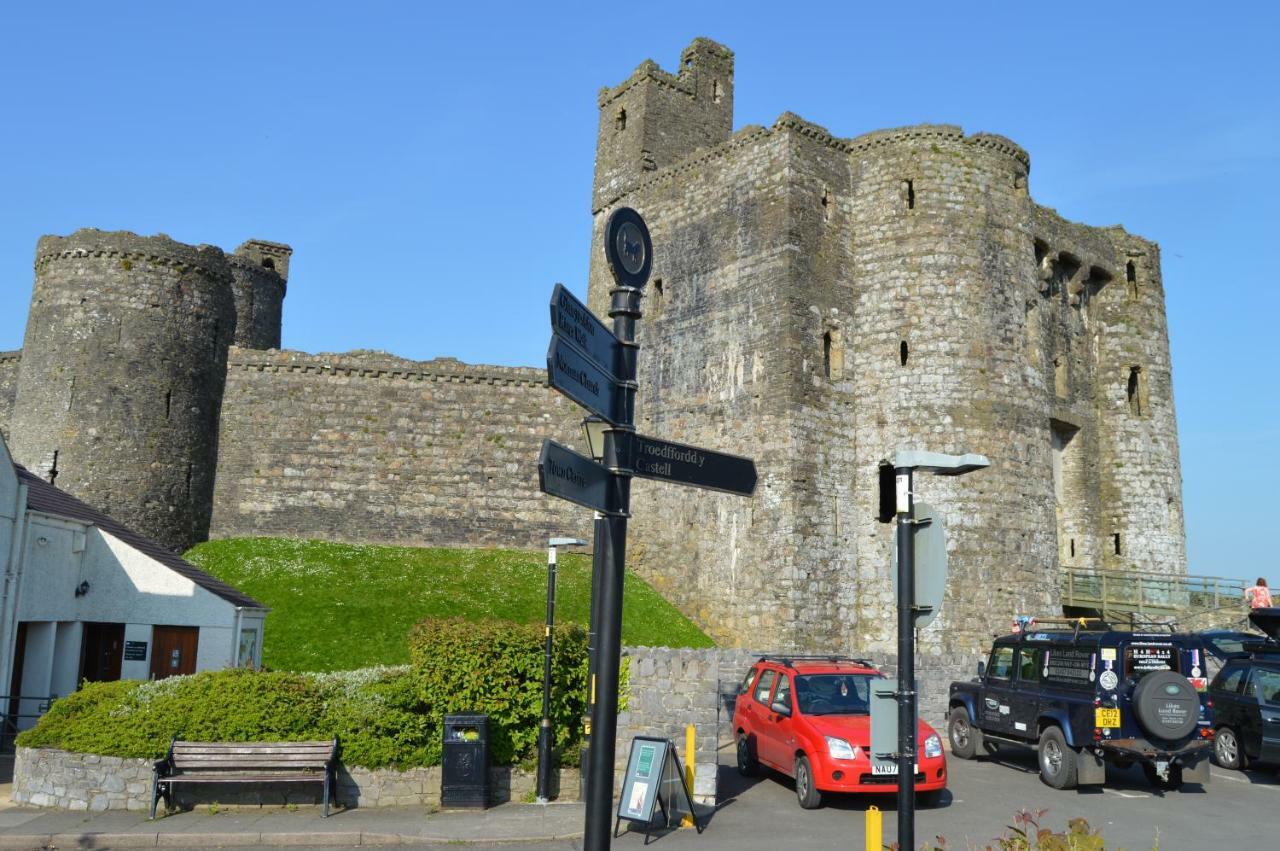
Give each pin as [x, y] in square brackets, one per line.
[593, 427]
[903, 501]
[544, 732]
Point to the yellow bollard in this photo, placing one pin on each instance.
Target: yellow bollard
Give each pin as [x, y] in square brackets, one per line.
[689, 742]
[875, 837]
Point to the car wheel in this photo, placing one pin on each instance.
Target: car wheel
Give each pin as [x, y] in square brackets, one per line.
[928, 800]
[1227, 751]
[808, 795]
[747, 765]
[1057, 760]
[1171, 782]
[963, 735]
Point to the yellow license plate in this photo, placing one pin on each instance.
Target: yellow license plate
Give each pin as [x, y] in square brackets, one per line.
[1106, 717]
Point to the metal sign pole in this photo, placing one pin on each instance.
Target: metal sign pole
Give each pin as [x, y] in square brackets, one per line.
[906, 660]
[593, 626]
[629, 252]
[544, 731]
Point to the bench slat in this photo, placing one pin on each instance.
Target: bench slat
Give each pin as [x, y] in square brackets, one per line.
[324, 747]
[245, 778]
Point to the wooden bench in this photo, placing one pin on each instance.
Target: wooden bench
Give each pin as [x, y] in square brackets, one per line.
[244, 762]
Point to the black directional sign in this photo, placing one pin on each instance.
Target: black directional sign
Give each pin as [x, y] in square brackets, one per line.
[691, 465]
[568, 475]
[584, 381]
[572, 320]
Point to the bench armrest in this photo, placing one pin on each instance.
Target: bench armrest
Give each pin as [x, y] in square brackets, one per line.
[163, 767]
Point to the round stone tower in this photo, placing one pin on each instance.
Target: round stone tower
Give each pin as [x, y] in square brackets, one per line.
[944, 272]
[259, 271]
[123, 368]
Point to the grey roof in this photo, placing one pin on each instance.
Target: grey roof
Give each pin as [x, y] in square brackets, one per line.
[44, 497]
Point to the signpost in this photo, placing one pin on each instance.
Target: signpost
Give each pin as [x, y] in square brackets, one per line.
[596, 368]
[897, 502]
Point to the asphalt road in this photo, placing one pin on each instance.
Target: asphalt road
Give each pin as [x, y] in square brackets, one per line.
[1236, 811]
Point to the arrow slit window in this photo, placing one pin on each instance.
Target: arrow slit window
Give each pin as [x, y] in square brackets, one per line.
[832, 354]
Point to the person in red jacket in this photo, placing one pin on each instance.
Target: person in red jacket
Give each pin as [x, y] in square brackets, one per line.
[1259, 596]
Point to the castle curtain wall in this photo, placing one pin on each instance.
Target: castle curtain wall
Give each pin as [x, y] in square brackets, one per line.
[9, 363]
[372, 448]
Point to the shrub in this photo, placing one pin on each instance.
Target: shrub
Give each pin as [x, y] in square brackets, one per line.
[384, 717]
[495, 667]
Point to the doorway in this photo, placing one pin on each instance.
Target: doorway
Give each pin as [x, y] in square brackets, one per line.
[102, 652]
[173, 650]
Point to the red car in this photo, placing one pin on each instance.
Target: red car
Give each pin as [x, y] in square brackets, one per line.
[809, 718]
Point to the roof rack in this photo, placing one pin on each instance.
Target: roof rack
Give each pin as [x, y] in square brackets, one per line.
[1063, 623]
[790, 659]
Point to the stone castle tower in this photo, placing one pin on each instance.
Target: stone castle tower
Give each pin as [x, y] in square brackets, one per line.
[820, 302]
[123, 367]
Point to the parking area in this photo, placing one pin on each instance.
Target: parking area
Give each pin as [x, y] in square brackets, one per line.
[983, 797]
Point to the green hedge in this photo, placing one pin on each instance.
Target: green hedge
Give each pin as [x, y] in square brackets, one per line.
[385, 717]
[495, 667]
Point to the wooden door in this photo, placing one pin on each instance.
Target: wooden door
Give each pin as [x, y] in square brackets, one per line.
[173, 650]
[103, 652]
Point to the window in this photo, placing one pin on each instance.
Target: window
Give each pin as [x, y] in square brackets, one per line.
[834, 694]
[784, 691]
[1029, 665]
[765, 686]
[749, 681]
[1230, 678]
[1001, 667]
[620, 120]
[1266, 683]
[1115, 543]
[716, 94]
[903, 353]
[248, 652]
[909, 193]
[1142, 658]
[1136, 392]
[832, 354]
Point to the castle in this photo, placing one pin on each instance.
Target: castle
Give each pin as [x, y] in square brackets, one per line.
[816, 303]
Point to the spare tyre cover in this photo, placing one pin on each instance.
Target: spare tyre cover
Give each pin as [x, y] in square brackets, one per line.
[1167, 705]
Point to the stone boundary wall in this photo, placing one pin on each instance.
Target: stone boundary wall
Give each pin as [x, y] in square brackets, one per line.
[45, 777]
[367, 447]
[9, 362]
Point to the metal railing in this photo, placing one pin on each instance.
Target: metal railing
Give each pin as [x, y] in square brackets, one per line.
[27, 706]
[1148, 592]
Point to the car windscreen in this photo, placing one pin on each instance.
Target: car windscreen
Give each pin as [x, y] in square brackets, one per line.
[1222, 646]
[1145, 657]
[834, 694]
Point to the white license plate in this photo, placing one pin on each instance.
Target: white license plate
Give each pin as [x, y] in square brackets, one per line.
[887, 768]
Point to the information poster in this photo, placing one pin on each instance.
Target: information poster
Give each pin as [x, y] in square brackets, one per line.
[640, 785]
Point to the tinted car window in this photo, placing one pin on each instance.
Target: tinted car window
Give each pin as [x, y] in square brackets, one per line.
[1142, 658]
[1029, 665]
[1229, 679]
[763, 689]
[834, 694]
[1268, 685]
[1001, 667]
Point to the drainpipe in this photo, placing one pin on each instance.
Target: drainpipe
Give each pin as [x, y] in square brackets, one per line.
[12, 571]
[235, 638]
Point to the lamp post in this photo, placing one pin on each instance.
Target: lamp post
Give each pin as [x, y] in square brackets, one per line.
[593, 428]
[904, 466]
[545, 732]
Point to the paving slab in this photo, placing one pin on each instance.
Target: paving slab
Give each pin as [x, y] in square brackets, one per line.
[506, 823]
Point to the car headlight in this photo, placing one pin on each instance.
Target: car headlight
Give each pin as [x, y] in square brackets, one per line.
[933, 747]
[839, 748]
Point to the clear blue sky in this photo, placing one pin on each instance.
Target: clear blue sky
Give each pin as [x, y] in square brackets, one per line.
[385, 142]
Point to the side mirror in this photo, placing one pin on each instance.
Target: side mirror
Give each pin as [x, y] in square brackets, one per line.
[982, 668]
[781, 708]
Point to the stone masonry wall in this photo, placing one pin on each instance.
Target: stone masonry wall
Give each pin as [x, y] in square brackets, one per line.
[368, 447]
[9, 363]
[45, 777]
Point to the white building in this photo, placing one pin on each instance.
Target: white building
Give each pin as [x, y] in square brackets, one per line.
[84, 598]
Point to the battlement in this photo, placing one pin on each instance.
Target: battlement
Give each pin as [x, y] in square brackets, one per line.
[269, 255]
[160, 249]
[382, 365]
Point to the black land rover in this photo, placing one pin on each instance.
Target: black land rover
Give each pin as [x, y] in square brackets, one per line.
[1083, 694]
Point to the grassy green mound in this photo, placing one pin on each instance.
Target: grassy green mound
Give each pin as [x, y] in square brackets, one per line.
[343, 606]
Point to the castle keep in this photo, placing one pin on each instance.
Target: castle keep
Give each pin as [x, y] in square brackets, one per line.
[817, 303]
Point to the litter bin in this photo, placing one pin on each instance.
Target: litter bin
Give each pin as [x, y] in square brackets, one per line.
[465, 761]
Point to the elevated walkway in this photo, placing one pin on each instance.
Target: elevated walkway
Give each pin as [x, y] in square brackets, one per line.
[1129, 592]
